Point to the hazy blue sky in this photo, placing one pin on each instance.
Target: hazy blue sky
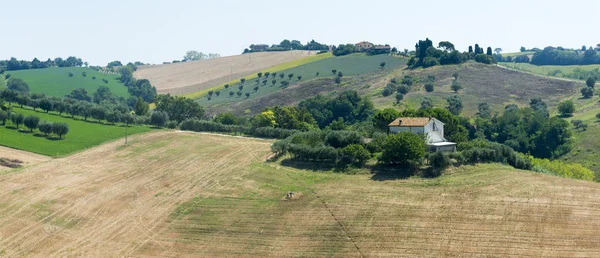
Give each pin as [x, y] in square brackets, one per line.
[155, 31]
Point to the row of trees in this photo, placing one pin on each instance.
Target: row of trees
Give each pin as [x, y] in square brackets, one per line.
[287, 45]
[13, 64]
[33, 122]
[137, 88]
[560, 56]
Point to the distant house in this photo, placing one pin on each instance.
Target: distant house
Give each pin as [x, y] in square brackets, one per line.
[432, 128]
[259, 47]
[362, 46]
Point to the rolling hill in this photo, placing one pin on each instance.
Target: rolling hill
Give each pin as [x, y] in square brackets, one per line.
[55, 81]
[189, 77]
[350, 65]
[174, 194]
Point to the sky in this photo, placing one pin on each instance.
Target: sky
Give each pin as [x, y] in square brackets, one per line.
[154, 31]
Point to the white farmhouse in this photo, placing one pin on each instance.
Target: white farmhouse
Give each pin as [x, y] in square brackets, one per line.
[432, 128]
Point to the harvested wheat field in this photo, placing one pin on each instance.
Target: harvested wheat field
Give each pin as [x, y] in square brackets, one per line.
[18, 157]
[174, 194]
[181, 78]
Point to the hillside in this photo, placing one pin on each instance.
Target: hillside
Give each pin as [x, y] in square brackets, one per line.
[351, 65]
[173, 194]
[55, 81]
[181, 78]
[481, 83]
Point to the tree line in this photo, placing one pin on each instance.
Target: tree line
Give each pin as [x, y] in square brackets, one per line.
[287, 45]
[426, 55]
[32, 122]
[13, 64]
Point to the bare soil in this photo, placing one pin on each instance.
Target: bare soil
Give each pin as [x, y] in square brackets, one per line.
[181, 78]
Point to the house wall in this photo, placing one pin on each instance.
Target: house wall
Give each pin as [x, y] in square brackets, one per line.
[417, 130]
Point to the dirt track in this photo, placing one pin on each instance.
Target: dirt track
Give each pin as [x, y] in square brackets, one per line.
[181, 78]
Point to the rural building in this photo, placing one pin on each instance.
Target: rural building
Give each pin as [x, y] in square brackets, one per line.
[432, 128]
[362, 46]
[259, 47]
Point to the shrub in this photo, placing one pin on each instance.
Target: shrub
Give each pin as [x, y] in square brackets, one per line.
[429, 86]
[598, 116]
[354, 154]
[569, 170]
[338, 80]
[403, 89]
[566, 108]
[403, 148]
[407, 80]
[172, 124]
[341, 139]
[439, 160]
[587, 92]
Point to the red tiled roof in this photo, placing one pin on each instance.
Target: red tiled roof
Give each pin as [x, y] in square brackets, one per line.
[410, 121]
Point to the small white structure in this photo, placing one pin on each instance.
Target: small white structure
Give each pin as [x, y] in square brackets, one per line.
[432, 128]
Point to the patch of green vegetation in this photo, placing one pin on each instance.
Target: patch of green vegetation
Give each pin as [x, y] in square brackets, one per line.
[82, 135]
[350, 65]
[585, 148]
[56, 82]
[577, 72]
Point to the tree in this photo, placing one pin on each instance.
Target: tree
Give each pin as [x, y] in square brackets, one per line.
[498, 50]
[566, 108]
[217, 93]
[284, 84]
[179, 108]
[281, 75]
[456, 86]
[113, 116]
[273, 74]
[338, 80]
[159, 118]
[17, 119]
[256, 88]
[587, 92]
[247, 94]
[141, 107]
[98, 113]
[22, 99]
[79, 94]
[193, 55]
[455, 75]
[227, 118]
[273, 82]
[354, 154]
[591, 82]
[382, 65]
[484, 110]
[265, 119]
[470, 49]
[539, 106]
[267, 75]
[334, 71]
[71, 74]
[404, 148]
[259, 74]
[446, 46]
[426, 104]
[3, 116]
[299, 77]
[18, 85]
[340, 74]
[455, 104]
[242, 80]
[239, 93]
[45, 127]
[317, 74]
[46, 104]
[489, 51]
[231, 93]
[429, 86]
[226, 86]
[31, 122]
[383, 117]
[285, 44]
[290, 76]
[60, 129]
[241, 87]
[399, 97]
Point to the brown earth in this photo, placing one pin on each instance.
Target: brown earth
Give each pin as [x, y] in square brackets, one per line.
[175, 194]
[181, 78]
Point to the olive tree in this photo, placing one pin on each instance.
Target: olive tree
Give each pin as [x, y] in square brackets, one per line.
[31, 122]
[60, 129]
[159, 119]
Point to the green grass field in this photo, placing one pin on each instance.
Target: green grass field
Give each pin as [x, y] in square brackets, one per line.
[55, 81]
[349, 65]
[561, 71]
[82, 135]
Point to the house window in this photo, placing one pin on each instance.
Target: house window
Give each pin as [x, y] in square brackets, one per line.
[435, 129]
